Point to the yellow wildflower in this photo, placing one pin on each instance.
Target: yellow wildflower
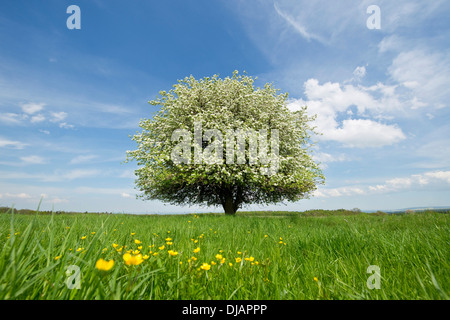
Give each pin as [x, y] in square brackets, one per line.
[219, 257]
[132, 259]
[83, 237]
[197, 250]
[205, 266]
[57, 257]
[115, 245]
[104, 265]
[168, 239]
[213, 263]
[137, 241]
[172, 253]
[238, 260]
[145, 257]
[169, 243]
[161, 248]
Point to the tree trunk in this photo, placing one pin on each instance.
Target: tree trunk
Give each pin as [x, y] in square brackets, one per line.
[228, 205]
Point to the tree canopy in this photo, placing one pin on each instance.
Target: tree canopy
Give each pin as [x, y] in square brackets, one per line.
[225, 142]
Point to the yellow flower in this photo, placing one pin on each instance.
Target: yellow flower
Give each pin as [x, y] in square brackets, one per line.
[79, 249]
[265, 236]
[239, 252]
[137, 241]
[169, 243]
[83, 237]
[181, 262]
[133, 233]
[145, 257]
[189, 260]
[281, 238]
[57, 257]
[92, 232]
[115, 245]
[281, 242]
[238, 260]
[132, 259]
[168, 239]
[222, 261]
[205, 266]
[172, 253]
[161, 248]
[230, 264]
[136, 252]
[140, 247]
[155, 254]
[104, 265]
[195, 241]
[213, 263]
[120, 249]
[315, 279]
[189, 221]
[219, 257]
[197, 250]
[193, 258]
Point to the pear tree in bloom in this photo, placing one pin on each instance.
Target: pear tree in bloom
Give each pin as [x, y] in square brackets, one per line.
[225, 142]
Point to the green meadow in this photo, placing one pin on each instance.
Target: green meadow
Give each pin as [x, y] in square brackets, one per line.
[271, 255]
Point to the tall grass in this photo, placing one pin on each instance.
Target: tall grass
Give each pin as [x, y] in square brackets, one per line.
[291, 257]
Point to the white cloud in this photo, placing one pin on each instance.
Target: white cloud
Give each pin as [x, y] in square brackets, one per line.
[83, 159]
[64, 125]
[12, 118]
[327, 101]
[31, 108]
[431, 178]
[300, 29]
[37, 118]
[5, 143]
[359, 72]
[33, 160]
[426, 74]
[366, 133]
[58, 116]
[58, 175]
[21, 195]
[125, 195]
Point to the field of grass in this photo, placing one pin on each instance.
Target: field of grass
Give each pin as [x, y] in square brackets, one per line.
[286, 256]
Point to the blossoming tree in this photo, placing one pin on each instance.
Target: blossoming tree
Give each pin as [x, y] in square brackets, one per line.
[180, 151]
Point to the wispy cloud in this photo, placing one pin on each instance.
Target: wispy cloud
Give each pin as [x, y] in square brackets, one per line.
[397, 184]
[6, 143]
[83, 159]
[297, 26]
[33, 159]
[32, 108]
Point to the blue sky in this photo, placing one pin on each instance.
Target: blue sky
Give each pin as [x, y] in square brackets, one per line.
[69, 99]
